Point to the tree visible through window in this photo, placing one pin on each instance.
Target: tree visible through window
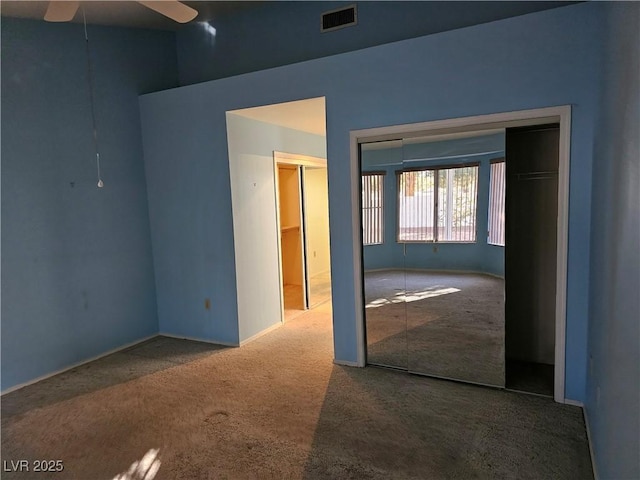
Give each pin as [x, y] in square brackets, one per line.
[438, 204]
[372, 208]
[496, 204]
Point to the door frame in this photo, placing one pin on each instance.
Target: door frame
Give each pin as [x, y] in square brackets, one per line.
[299, 161]
[558, 114]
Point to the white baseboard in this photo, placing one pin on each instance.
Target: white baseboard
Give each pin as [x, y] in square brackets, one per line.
[78, 364]
[589, 441]
[435, 270]
[346, 363]
[575, 403]
[129, 345]
[195, 339]
[259, 334]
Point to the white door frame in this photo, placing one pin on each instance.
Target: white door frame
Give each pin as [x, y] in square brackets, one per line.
[299, 161]
[559, 114]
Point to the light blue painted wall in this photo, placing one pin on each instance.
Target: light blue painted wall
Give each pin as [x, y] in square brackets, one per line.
[478, 256]
[613, 386]
[190, 214]
[77, 274]
[538, 60]
[191, 217]
[284, 32]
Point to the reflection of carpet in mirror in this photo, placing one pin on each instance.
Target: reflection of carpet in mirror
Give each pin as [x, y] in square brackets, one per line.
[445, 324]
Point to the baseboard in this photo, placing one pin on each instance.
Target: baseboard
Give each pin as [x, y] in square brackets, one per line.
[259, 334]
[347, 363]
[442, 270]
[591, 451]
[195, 339]
[575, 403]
[79, 364]
[436, 270]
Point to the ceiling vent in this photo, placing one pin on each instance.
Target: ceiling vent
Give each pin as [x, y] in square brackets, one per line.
[335, 19]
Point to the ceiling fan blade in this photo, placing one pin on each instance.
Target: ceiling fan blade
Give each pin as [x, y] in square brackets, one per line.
[61, 11]
[173, 9]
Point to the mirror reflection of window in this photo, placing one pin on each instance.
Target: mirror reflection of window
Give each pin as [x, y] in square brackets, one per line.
[496, 203]
[372, 208]
[438, 205]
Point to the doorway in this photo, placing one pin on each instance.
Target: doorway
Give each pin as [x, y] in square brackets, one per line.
[253, 135]
[303, 221]
[291, 239]
[530, 257]
[510, 120]
[433, 277]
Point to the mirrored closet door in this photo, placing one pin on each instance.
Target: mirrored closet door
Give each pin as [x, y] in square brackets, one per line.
[442, 251]
[454, 271]
[383, 257]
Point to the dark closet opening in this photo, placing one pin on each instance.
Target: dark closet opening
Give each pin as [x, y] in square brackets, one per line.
[530, 257]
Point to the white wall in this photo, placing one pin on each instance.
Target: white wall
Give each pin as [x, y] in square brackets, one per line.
[317, 220]
[251, 144]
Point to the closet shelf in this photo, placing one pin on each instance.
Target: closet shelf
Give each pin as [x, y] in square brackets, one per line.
[290, 228]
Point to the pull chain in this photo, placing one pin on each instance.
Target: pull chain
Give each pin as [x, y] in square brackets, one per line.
[91, 100]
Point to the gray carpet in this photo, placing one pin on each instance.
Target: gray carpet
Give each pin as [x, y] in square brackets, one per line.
[451, 324]
[278, 408]
[530, 377]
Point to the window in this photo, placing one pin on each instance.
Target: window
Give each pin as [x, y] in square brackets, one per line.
[438, 204]
[496, 203]
[373, 208]
[416, 202]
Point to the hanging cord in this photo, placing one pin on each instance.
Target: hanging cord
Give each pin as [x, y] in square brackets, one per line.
[91, 99]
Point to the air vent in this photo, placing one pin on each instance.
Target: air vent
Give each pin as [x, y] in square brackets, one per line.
[335, 19]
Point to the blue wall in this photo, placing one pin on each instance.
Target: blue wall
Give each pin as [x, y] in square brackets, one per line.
[478, 256]
[191, 218]
[284, 32]
[613, 387]
[77, 274]
[538, 60]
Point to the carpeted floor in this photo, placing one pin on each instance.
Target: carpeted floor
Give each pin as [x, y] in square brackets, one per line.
[319, 289]
[293, 302]
[278, 408]
[445, 324]
[529, 377]
[319, 293]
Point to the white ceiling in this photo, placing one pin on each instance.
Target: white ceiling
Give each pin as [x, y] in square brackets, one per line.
[306, 115]
[310, 116]
[123, 13]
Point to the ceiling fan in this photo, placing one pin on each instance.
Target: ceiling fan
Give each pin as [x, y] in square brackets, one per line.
[64, 11]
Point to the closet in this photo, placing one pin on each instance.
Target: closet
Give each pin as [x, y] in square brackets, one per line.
[303, 221]
[291, 237]
[530, 257]
[426, 314]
